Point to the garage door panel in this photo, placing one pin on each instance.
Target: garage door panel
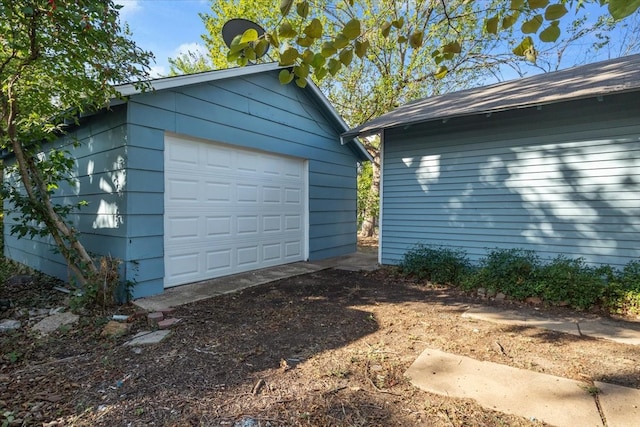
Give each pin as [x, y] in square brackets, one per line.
[292, 249]
[237, 210]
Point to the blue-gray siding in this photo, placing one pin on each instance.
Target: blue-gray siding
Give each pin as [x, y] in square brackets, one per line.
[564, 179]
[120, 169]
[101, 174]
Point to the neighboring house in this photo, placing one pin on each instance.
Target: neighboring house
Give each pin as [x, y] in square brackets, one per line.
[549, 163]
[209, 175]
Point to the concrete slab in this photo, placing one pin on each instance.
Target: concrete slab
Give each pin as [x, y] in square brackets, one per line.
[180, 295]
[617, 331]
[554, 400]
[620, 405]
[185, 294]
[622, 332]
[148, 337]
[513, 317]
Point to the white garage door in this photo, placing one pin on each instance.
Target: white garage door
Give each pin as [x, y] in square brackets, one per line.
[229, 210]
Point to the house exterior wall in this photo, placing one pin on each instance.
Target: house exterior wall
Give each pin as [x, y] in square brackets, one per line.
[563, 179]
[101, 181]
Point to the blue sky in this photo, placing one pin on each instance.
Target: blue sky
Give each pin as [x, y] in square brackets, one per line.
[169, 27]
[165, 27]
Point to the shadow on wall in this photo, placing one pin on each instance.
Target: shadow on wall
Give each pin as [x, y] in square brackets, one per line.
[579, 199]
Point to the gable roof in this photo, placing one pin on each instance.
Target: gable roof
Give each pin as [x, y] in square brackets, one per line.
[208, 76]
[587, 81]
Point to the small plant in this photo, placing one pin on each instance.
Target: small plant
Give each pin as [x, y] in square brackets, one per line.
[13, 356]
[436, 264]
[511, 271]
[572, 281]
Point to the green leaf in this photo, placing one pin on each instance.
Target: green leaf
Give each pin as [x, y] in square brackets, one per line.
[250, 54]
[537, 4]
[314, 29]
[249, 36]
[362, 47]
[320, 73]
[301, 70]
[351, 29]
[415, 39]
[516, 4]
[346, 56]
[285, 6]
[318, 61]
[285, 77]
[236, 45]
[302, 9]
[385, 29]
[532, 25]
[305, 41]
[261, 47]
[622, 8]
[491, 25]
[509, 20]
[441, 71]
[523, 46]
[328, 49]
[402, 39]
[453, 47]
[551, 33]
[289, 56]
[398, 23]
[555, 11]
[272, 39]
[301, 82]
[340, 41]
[286, 31]
[334, 66]
[307, 57]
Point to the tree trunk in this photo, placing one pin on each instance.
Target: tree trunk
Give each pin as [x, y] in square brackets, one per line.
[370, 220]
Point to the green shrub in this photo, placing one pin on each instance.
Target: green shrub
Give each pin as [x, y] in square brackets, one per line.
[622, 296]
[572, 281]
[510, 271]
[436, 264]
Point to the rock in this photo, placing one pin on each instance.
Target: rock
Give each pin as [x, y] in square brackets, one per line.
[148, 337]
[482, 292]
[500, 296]
[9, 325]
[491, 293]
[167, 323]
[115, 329]
[52, 323]
[154, 318]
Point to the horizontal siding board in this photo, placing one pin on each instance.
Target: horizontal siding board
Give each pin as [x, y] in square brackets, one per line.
[317, 218]
[573, 189]
[145, 137]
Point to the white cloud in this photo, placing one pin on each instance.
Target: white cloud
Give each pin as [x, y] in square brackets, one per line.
[157, 71]
[190, 47]
[129, 7]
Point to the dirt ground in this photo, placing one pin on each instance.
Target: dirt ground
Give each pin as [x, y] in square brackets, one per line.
[324, 349]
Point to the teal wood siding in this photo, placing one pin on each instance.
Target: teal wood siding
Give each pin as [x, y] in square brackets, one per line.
[101, 181]
[257, 112]
[120, 169]
[561, 180]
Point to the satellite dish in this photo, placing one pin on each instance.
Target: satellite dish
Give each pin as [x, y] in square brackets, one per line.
[238, 26]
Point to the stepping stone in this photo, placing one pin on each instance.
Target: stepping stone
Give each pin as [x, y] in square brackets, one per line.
[553, 400]
[148, 337]
[52, 323]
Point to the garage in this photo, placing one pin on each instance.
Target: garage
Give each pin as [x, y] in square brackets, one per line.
[229, 210]
[207, 175]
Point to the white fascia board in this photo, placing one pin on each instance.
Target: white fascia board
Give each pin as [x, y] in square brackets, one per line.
[191, 79]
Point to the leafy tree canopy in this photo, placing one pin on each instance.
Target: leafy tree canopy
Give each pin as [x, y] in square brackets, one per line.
[59, 59]
[318, 43]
